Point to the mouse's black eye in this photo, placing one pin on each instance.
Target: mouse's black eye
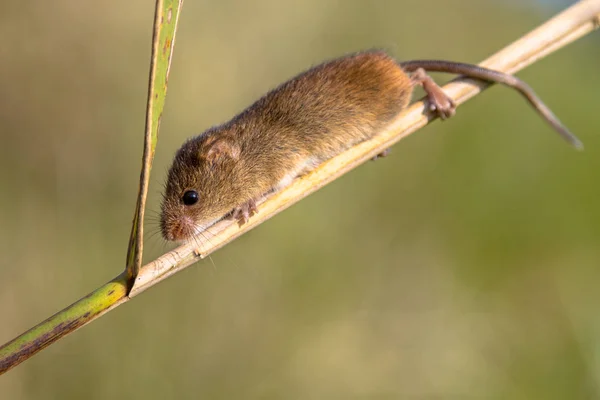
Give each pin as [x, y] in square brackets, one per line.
[190, 197]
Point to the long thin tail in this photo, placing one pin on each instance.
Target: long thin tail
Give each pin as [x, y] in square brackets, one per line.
[489, 75]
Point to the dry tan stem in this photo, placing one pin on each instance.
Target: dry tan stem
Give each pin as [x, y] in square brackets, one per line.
[568, 26]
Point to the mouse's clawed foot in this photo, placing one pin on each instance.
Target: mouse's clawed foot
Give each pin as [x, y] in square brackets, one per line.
[439, 101]
[384, 153]
[444, 109]
[243, 213]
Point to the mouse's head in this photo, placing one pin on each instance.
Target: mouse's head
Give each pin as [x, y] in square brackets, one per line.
[202, 185]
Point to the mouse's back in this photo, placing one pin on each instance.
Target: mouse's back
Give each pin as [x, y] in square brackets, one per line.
[306, 120]
[334, 105]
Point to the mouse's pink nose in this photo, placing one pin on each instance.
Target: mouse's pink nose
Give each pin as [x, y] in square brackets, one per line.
[179, 228]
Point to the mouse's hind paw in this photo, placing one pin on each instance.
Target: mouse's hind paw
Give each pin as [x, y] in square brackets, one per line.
[439, 101]
[384, 153]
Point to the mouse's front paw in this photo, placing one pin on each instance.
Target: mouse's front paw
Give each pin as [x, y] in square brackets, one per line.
[243, 213]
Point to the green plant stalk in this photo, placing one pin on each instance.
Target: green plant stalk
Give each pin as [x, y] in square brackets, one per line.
[166, 17]
[68, 320]
[113, 293]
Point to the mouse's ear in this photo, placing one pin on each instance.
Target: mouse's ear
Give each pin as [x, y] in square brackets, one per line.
[220, 149]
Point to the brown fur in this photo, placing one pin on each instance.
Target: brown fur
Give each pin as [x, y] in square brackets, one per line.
[295, 127]
[306, 120]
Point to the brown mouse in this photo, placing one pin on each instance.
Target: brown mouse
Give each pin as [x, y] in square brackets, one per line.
[298, 125]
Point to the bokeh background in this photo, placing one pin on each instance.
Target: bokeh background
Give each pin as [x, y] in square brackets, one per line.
[465, 265]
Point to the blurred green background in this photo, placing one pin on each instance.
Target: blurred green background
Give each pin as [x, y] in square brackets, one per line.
[465, 265]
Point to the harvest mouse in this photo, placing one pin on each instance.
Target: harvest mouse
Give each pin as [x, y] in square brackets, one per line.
[298, 125]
